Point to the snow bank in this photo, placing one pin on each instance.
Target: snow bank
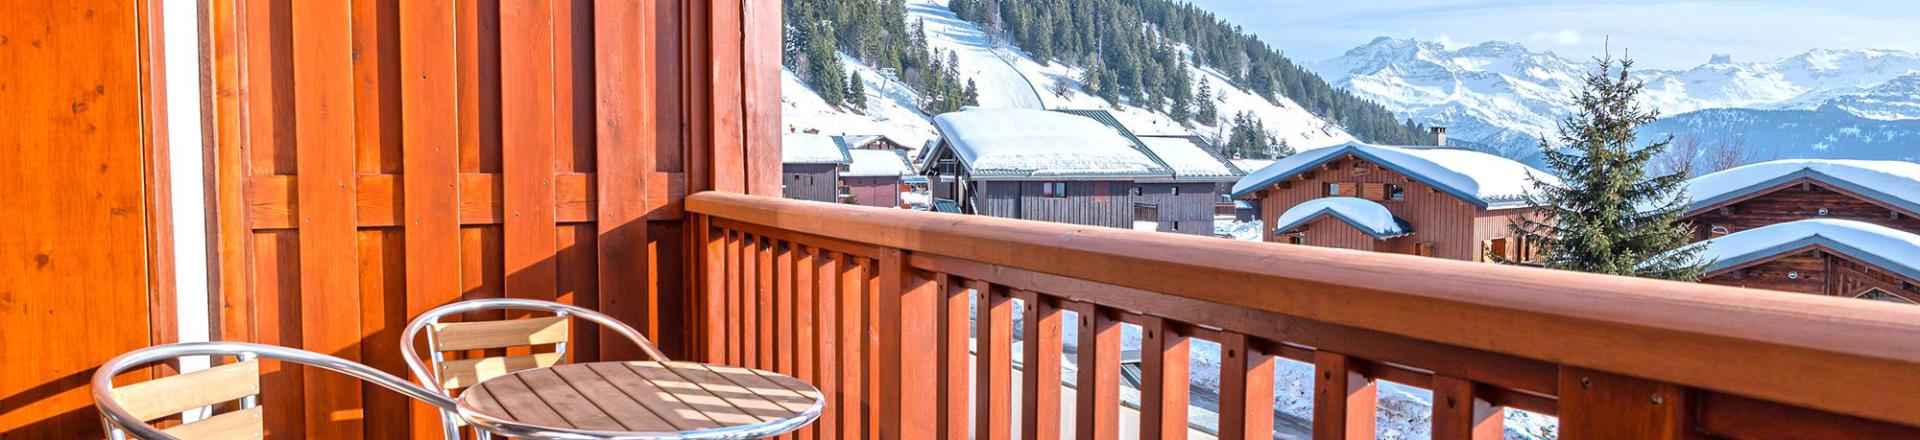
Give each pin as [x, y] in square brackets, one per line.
[811, 148]
[1239, 230]
[1370, 217]
[1889, 181]
[1485, 179]
[1895, 250]
[1040, 143]
[876, 163]
[1186, 158]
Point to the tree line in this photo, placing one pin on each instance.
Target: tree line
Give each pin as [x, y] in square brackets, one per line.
[1128, 48]
[816, 33]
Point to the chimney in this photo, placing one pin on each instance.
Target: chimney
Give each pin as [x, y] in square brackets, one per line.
[1440, 136]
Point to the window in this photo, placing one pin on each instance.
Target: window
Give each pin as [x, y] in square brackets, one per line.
[1176, 190]
[1173, 225]
[1395, 192]
[1332, 189]
[1053, 189]
[1296, 238]
[1135, 191]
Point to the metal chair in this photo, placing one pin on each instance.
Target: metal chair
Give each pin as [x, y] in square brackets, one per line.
[445, 376]
[126, 410]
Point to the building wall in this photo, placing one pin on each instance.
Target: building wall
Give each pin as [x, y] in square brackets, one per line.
[816, 182]
[1455, 227]
[1331, 232]
[874, 191]
[1101, 203]
[1820, 273]
[1793, 202]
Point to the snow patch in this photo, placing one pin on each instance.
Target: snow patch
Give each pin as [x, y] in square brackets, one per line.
[1040, 142]
[1480, 177]
[1893, 249]
[1370, 217]
[803, 148]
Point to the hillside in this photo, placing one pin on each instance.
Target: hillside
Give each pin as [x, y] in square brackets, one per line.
[1010, 77]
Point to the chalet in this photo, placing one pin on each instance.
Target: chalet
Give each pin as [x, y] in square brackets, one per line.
[870, 142]
[1430, 201]
[1080, 167]
[874, 176]
[1214, 167]
[810, 167]
[1826, 256]
[1880, 192]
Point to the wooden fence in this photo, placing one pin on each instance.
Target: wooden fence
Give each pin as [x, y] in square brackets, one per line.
[374, 159]
[872, 306]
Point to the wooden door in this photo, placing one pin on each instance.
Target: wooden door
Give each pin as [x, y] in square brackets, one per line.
[82, 215]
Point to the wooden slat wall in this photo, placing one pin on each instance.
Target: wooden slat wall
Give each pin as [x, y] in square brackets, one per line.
[374, 160]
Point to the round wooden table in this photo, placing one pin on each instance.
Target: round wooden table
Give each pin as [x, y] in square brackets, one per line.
[640, 400]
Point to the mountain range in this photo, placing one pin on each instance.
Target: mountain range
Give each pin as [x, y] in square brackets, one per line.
[1500, 96]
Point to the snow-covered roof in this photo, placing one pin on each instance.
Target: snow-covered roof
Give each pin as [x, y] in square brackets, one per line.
[1482, 179]
[805, 148]
[1040, 143]
[1370, 217]
[1251, 165]
[862, 141]
[1892, 249]
[1892, 182]
[1189, 159]
[877, 163]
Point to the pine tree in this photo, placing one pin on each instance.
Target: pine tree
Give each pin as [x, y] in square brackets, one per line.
[1609, 216]
[1208, 112]
[857, 92]
[824, 72]
[971, 96]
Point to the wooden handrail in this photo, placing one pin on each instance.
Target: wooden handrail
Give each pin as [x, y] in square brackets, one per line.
[1836, 355]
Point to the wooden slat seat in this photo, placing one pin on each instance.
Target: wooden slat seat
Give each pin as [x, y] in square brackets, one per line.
[456, 336]
[646, 397]
[168, 396]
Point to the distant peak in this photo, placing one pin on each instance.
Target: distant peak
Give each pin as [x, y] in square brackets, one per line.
[1720, 58]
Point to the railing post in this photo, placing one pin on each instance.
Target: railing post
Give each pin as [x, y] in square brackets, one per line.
[953, 357]
[1163, 379]
[994, 352]
[1459, 413]
[1246, 388]
[1598, 405]
[909, 301]
[1040, 380]
[1343, 399]
[714, 303]
[1098, 396]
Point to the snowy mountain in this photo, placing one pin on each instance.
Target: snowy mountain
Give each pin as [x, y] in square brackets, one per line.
[1502, 95]
[1829, 132]
[1008, 77]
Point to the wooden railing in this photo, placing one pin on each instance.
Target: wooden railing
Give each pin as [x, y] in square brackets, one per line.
[872, 306]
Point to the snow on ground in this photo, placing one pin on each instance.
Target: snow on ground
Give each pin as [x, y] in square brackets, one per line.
[890, 109]
[1239, 230]
[1000, 84]
[1370, 217]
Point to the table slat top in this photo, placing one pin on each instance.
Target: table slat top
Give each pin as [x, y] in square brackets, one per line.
[641, 397]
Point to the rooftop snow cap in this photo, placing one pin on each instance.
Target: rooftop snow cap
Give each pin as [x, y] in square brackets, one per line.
[1039, 143]
[1895, 250]
[1893, 182]
[804, 148]
[1364, 214]
[877, 163]
[1482, 179]
[1189, 158]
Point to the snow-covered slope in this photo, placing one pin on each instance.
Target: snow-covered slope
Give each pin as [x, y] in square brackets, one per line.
[1502, 94]
[1008, 77]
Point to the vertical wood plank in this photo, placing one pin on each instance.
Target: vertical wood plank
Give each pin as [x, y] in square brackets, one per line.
[1598, 405]
[1459, 414]
[765, 305]
[736, 298]
[725, 103]
[527, 130]
[827, 270]
[715, 306]
[853, 420]
[994, 372]
[1098, 396]
[1344, 401]
[909, 303]
[870, 344]
[1246, 388]
[955, 332]
[761, 43]
[623, 73]
[750, 304]
[323, 59]
[1163, 369]
[430, 163]
[784, 308]
[806, 309]
[383, 314]
[1040, 380]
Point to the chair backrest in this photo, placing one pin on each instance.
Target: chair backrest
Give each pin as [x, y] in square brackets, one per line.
[128, 409]
[446, 375]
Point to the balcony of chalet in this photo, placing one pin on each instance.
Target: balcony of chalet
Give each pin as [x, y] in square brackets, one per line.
[356, 164]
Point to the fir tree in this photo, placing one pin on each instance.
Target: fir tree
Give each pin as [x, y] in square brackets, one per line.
[824, 72]
[1609, 216]
[857, 92]
[1208, 111]
[971, 96]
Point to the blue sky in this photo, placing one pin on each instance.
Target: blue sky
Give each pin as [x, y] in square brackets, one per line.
[1660, 34]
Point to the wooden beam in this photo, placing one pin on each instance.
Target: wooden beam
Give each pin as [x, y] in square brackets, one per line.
[1343, 399]
[329, 283]
[1246, 388]
[1040, 379]
[1460, 413]
[1599, 405]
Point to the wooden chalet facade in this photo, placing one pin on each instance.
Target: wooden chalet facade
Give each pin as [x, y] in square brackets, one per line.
[874, 177]
[810, 167]
[1786, 218]
[1458, 203]
[1092, 171]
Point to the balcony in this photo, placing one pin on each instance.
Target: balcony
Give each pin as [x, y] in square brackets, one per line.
[873, 306]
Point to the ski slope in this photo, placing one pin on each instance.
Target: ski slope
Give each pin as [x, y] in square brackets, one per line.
[1000, 84]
